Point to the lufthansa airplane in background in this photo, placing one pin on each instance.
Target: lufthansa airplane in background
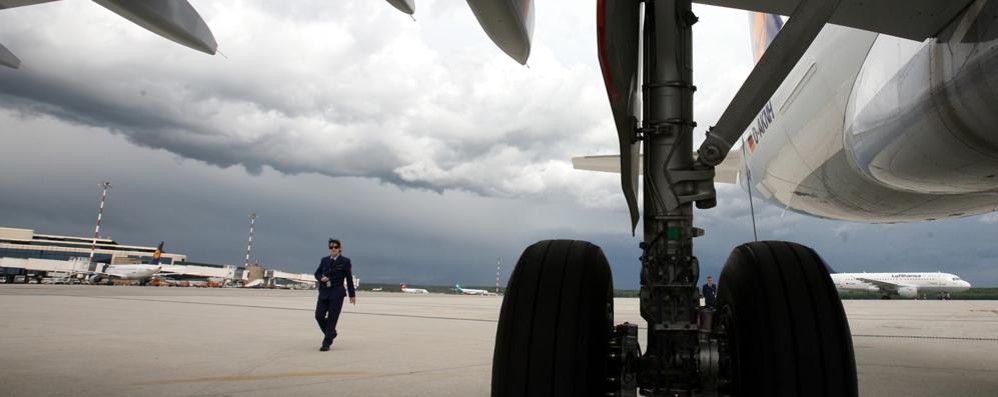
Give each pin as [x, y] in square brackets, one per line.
[905, 285]
[138, 271]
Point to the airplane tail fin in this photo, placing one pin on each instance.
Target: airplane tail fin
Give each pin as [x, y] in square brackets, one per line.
[764, 28]
[157, 254]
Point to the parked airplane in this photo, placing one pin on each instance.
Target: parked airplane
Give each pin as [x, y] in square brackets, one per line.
[408, 290]
[469, 291]
[175, 20]
[905, 285]
[258, 283]
[141, 272]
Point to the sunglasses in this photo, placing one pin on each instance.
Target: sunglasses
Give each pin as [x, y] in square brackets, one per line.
[334, 247]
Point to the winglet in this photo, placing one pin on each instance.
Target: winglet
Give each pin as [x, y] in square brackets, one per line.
[406, 6]
[509, 23]
[176, 20]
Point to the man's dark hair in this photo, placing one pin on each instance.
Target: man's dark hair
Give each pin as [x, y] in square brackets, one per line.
[335, 242]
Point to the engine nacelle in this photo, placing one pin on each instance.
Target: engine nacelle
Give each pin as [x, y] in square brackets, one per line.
[930, 127]
[908, 292]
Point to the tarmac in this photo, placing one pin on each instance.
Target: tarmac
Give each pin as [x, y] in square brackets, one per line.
[155, 341]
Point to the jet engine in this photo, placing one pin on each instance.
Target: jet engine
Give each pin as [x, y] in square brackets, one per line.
[929, 127]
[908, 292]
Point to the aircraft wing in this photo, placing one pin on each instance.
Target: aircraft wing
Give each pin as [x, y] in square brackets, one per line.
[883, 285]
[21, 3]
[175, 20]
[91, 273]
[8, 58]
[911, 19]
[726, 172]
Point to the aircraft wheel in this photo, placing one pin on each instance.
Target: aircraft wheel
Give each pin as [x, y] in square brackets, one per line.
[786, 329]
[555, 322]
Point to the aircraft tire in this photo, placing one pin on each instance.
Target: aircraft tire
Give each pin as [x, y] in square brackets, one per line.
[555, 322]
[786, 329]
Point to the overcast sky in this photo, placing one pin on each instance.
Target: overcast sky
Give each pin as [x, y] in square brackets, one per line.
[418, 143]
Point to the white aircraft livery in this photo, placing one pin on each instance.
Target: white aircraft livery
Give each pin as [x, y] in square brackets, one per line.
[470, 291]
[874, 128]
[141, 272]
[408, 290]
[905, 285]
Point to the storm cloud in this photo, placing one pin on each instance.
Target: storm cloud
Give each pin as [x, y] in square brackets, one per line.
[417, 142]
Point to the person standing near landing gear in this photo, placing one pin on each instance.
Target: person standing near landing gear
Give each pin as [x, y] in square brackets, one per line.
[710, 293]
[332, 272]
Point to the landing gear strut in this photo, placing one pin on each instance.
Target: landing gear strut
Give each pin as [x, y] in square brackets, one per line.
[779, 330]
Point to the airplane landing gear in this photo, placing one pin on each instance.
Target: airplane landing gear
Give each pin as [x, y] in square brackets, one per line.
[780, 328]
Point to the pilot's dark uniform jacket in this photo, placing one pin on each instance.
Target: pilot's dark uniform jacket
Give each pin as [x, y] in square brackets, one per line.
[331, 293]
[710, 295]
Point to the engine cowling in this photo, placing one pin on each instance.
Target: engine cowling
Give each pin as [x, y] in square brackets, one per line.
[908, 292]
[928, 128]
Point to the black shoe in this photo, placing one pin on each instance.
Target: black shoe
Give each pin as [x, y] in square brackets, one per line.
[324, 349]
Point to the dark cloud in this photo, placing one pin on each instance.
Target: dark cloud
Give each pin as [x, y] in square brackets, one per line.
[418, 143]
[339, 96]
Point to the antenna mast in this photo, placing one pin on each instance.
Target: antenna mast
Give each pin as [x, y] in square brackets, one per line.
[104, 186]
[249, 243]
[498, 261]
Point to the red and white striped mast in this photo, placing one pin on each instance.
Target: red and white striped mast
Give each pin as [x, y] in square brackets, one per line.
[498, 261]
[100, 213]
[249, 243]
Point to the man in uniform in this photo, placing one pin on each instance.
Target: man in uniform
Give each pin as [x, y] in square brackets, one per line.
[710, 293]
[332, 272]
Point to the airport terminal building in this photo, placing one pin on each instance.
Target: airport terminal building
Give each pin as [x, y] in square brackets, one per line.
[26, 244]
[24, 252]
